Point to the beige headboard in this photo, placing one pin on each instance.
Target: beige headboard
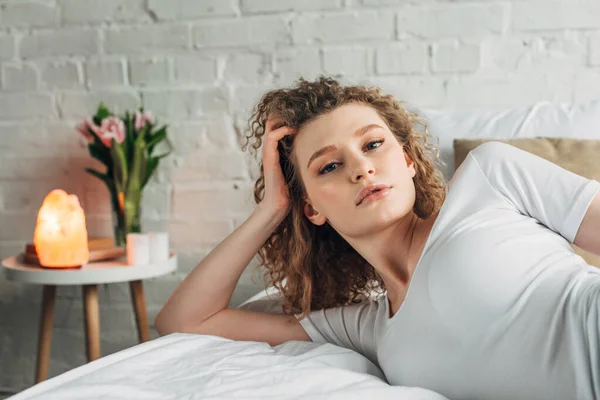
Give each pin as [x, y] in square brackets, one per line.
[581, 156]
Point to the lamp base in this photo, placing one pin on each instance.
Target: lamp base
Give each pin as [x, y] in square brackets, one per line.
[33, 260]
[100, 249]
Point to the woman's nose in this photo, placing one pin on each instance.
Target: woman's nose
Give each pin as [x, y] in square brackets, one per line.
[362, 169]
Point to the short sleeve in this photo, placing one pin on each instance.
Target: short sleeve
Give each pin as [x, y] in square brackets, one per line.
[536, 187]
[350, 326]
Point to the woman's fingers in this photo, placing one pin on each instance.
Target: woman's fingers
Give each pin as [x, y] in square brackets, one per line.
[275, 131]
[273, 123]
[276, 194]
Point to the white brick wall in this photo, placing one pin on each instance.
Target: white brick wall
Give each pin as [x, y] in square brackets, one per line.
[201, 66]
[84, 12]
[401, 58]
[102, 73]
[183, 9]
[21, 76]
[440, 21]
[240, 32]
[343, 27]
[146, 38]
[455, 57]
[7, 46]
[60, 42]
[146, 72]
[62, 75]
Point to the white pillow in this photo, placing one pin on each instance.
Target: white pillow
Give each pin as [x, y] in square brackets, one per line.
[543, 118]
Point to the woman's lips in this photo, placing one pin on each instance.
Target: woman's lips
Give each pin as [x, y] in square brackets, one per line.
[377, 195]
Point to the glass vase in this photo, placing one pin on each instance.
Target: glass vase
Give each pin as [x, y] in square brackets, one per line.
[126, 216]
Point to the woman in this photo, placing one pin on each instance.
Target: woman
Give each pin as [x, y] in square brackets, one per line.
[482, 296]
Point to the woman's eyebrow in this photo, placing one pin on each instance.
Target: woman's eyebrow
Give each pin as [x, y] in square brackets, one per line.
[359, 132]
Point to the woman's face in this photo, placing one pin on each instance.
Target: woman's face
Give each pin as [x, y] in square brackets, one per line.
[344, 151]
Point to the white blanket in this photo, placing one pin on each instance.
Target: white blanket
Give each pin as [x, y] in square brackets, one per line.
[188, 366]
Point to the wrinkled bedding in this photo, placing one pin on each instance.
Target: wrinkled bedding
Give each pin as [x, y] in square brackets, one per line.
[189, 366]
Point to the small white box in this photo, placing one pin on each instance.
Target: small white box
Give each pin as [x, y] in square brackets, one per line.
[159, 246]
[138, 249]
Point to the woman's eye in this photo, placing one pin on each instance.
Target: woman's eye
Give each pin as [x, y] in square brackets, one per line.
[326, 169]
[375, 142]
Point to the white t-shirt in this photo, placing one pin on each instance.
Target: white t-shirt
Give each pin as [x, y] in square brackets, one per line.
[499, 305]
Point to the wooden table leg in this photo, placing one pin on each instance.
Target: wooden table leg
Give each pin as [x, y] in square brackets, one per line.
[139, 306]
[92, 321]
[45, 335]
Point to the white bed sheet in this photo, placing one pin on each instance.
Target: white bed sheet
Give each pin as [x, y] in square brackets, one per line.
[189, 366]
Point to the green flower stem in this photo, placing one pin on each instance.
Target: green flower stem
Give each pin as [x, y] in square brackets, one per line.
[133, 194]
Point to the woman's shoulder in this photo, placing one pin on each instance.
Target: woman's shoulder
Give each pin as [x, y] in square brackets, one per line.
[489, 154]
[491, 148]
[485, 159]
[485, 153]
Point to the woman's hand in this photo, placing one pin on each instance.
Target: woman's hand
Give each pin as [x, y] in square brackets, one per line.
[276, 196]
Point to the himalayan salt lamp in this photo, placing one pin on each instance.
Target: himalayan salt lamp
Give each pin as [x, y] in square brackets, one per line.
[60, 236]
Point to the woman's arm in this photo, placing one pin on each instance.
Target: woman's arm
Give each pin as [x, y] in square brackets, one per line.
[209, 287]
[588, 235]
[200, 303]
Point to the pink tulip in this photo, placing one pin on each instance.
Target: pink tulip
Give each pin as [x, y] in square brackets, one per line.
[111, 127]
[92, 126]
[141, 119]
[83, 129]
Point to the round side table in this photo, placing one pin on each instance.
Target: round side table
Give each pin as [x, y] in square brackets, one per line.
[89, 276]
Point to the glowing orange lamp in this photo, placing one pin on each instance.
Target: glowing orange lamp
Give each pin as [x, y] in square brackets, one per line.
[60, 236]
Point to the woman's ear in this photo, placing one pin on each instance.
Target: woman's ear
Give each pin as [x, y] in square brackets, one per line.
[410, 165]
[313, 215]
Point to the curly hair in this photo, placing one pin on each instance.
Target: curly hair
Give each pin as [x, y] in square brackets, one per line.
[312, 266]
